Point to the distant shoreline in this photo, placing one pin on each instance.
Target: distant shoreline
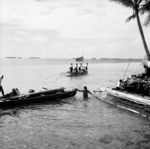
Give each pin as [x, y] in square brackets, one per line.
[72, 59]
[117, 60]
[58, 61]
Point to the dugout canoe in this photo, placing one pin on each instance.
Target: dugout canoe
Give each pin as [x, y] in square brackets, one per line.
[76, 74]
[37, 97]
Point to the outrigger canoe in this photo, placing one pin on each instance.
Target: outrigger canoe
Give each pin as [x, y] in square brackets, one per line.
[37, 97]
[142, 100]
[131, 102]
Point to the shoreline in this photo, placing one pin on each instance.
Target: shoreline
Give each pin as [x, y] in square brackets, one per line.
[47, 61]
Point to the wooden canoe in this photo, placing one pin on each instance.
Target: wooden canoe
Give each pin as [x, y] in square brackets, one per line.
[127, 101]
[75, 74]
[143, 100]
[37, 97]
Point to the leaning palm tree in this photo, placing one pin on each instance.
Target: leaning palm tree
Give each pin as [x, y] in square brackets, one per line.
[138, 6]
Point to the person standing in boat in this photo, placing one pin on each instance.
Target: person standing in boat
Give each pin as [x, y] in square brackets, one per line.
[86, 67]
[80, 67]
[71, 68]
[1, 88]
[76, 68]
[85, 92]
[119, 85]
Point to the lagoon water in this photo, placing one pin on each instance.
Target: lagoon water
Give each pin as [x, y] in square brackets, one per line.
[73, 123]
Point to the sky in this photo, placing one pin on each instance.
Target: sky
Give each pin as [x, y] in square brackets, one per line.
[69, 28]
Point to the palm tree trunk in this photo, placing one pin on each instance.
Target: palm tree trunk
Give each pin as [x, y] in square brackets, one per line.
[142, 34]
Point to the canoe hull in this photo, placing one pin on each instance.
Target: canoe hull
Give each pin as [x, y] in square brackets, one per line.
[132, 102]
[76, 74]
[130, 97]
[53, 96]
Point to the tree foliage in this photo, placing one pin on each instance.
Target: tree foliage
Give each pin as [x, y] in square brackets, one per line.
[138, 7]
[145, 8]
[141, 6]
[127, 3]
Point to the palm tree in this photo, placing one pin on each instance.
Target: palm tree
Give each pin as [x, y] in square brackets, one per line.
[138, 6]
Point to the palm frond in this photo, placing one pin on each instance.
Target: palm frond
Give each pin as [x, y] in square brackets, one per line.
[146, 6]
[145, 9]
[147, 20]
[127, 3]
[139, 1]
[130, 18]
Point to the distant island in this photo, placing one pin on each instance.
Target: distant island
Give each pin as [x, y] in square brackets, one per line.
[34, 57]
[121, 59]
[11, 57]
[113, 60]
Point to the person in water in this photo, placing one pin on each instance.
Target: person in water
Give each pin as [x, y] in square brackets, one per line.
[85, 92]
[1, 88]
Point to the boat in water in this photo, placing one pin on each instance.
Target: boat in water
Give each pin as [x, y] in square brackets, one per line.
[124, 100]
[15, 98]
[76, 74]
[79, 69]
[132, 94]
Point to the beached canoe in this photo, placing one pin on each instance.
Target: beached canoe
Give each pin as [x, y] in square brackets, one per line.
[75, 74]
[37, 97]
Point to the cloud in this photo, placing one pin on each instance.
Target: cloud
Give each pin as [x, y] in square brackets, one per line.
[14, 32]
[66, 28]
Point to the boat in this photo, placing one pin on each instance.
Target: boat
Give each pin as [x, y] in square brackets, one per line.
[36, 97]
[132, 94]
[75, 74]
[141, 100]
[79, 69]
[132, 102]
[79, 59]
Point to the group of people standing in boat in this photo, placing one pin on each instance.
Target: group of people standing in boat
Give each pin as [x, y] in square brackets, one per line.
[78, 68]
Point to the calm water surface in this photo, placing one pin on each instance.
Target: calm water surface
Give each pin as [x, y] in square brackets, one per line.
[73, 123]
